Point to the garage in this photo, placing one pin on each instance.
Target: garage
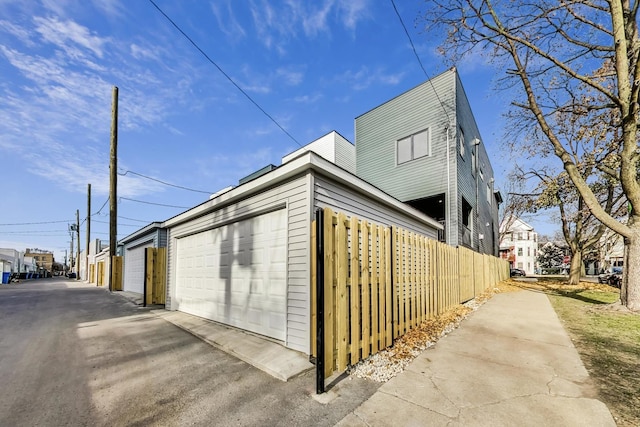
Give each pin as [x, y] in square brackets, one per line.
[134, 268]
[236, 274]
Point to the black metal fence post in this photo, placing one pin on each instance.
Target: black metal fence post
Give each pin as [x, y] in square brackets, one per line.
[319, 301]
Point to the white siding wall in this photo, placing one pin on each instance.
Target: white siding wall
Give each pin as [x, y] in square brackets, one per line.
[345, 154]
[294, 194]
[342, 199]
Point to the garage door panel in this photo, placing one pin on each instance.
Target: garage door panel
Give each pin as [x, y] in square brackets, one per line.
[134, 267]
[241, 274]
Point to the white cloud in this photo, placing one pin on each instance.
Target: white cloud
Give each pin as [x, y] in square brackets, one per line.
[17, 31]
[291, 77]
[364, 77]
[353, 11]
[112, 8]
[227, 22]
[61, 33]
[62, 106]
[276, 26]
[308, 99]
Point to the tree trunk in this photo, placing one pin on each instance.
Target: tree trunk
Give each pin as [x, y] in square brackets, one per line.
[630, 290]
[575, 270]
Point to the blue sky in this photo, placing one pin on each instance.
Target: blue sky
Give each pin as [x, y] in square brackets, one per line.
[313, 66]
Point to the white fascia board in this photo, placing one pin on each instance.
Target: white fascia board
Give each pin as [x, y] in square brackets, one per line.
[304, 162]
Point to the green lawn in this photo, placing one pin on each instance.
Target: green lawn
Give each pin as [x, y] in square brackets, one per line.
[608, 341]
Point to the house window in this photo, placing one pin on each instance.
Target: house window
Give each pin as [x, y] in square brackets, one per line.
[473, 161]
[489, 194]
[461, 141]
[519, 236]
[414, 146]
[528, 251]
[519, 251]
[466, 213]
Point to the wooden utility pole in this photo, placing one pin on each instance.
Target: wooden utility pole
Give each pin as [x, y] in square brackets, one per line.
[78, 245]
[86, 258]
[71, 250]
[113, 184]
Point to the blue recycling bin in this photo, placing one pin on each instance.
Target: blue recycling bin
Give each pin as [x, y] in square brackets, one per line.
[5, 277]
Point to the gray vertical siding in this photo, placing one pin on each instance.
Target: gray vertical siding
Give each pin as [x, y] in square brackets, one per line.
[469, 183]
[378, 130]
[294, 194]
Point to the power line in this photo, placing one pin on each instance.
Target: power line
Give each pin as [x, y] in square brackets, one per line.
[25, 232]
[165, 183]
[119, 224]
[103, 205]
[418, 58]
[133, 219]
[155, 204]
[224, 74]
[38, 223]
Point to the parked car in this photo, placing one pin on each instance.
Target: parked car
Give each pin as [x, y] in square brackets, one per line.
[517, 272]
[71, 275]
[614, 278]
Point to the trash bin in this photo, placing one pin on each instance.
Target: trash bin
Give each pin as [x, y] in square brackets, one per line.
[5, 277]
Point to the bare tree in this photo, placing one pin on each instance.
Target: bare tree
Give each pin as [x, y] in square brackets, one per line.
[580, 229]
[557, 55]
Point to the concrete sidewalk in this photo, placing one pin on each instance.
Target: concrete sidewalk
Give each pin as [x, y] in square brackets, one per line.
[511, 363]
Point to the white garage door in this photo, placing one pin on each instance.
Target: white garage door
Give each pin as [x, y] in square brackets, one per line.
[236, 274]
[134, 269]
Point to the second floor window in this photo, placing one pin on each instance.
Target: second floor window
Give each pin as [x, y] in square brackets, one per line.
[414, 146]
[519, 251]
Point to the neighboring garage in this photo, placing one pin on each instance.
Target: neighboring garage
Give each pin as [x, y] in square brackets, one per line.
[243, 257]
[132, 248]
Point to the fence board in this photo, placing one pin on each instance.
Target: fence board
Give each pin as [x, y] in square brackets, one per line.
[355, 291]
[342, 320]
[329, 321]
[375, 281]
[365, 292]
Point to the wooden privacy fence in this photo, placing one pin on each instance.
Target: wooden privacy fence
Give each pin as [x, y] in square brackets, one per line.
[116, 273]
[155, 272]
[378, 282]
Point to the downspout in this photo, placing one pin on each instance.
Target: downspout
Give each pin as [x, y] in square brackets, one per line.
[448, 201]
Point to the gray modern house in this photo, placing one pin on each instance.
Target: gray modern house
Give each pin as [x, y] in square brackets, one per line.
[423, 147]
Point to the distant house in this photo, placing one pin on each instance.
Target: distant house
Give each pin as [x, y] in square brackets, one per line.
[519, 244]
[44, 259]
[423, 147]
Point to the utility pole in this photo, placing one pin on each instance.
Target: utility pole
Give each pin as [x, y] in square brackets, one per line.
[86, 258]
[71, 249]
[78, 245]
[113, 185]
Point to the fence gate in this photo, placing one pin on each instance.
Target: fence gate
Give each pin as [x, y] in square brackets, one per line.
[155, 273]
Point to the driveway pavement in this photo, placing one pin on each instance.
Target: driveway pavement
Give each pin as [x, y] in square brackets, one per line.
[73, 354]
